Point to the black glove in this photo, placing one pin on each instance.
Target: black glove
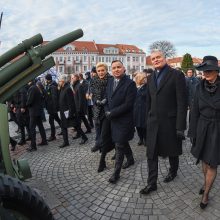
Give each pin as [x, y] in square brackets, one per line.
[98, 103]
[108, 115]
[104, 101]
[180, 134]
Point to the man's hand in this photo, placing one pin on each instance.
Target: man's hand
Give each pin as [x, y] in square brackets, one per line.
[180, 134]
[108, 115]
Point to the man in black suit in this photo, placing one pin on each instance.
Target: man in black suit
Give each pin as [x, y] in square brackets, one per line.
[166, 118]
[120, 93]
[51, 101]
[35, 107]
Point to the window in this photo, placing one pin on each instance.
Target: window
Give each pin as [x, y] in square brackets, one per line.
[77, 58]
[133, 59]
[106, 59]
[84, 68]
[100, 59]
[77, 68]
[142, 68]
[142, 59]
[93, 58]
[103, 59]
[69, 69]
[128, 59]
[61, 59]
[68, 58]
[136, 59]
[60, 69]
[85, 58]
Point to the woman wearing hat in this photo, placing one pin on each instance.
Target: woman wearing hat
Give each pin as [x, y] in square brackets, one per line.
[205, 124]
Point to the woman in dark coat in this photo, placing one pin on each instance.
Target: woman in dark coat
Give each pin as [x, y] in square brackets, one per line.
[205, 124]
[98, 90]
[140, 107]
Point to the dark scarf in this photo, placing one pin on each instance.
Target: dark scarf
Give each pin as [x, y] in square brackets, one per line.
[211, 88]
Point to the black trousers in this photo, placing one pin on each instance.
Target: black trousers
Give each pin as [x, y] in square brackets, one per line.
[36, 121]
[78, 130]
[141, 133]
[23, 132]
[90, 116]
[53, 117]
[153, 168]
[121, 150]
[83, 118]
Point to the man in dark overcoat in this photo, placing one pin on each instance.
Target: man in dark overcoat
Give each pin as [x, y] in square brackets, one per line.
[80, 101]
[35, 107]
[22, 114]
[68, 111]
[166, 118]
[51, 101]
[120, 93]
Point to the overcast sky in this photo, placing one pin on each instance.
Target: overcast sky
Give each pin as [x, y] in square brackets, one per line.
[193, 26]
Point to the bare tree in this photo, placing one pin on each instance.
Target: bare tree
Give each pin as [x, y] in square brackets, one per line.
[166, 47]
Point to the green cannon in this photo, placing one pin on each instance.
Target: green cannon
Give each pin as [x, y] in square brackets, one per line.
[31, 61]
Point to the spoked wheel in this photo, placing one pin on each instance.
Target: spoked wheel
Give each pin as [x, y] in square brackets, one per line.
[20, 202]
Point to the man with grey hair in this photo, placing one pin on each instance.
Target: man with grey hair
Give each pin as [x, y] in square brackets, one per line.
[68, 111]
[166, 118]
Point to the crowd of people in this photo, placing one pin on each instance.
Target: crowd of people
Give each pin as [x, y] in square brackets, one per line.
[155, 103]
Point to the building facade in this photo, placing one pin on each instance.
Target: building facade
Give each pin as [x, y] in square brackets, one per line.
[81, 56]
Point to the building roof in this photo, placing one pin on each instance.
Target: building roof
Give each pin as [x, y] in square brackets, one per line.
[125, 48]
[81, 46]
[101, 47]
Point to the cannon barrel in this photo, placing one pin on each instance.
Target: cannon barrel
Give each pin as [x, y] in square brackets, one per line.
[20, 48]
[40, 52]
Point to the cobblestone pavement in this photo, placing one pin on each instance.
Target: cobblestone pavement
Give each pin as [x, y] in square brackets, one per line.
[68, 180]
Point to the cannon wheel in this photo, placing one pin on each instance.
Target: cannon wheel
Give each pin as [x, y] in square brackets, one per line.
[21, 201]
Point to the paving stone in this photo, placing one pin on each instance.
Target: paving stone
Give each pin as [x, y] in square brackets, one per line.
[79, 192]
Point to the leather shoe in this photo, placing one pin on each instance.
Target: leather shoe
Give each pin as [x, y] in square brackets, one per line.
[95, 148]
[31, 149]
[148, 189]
[64, 145]
[169, 177]
[88, 132]
[128, 164]
[51, 138]
[201, 191]
[113, 179]
[101, 168]
[83, 141]
[42, 143]
[21, 142]
[76, 137]
[203, 205]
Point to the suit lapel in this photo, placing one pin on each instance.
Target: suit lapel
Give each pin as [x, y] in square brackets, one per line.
[164, 79]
